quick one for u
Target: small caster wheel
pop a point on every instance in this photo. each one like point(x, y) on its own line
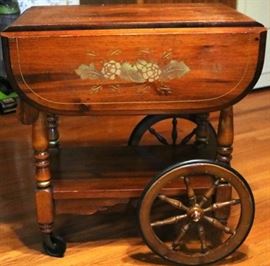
point(54, 246)
point(194, 235)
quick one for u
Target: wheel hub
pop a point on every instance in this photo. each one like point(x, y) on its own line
point(196, 213)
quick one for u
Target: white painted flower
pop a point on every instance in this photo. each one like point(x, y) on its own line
point(111, 69)
point(150, 71)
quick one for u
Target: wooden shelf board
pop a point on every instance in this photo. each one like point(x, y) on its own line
point(117, 172)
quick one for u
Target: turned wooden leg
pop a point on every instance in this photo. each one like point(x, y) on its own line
point(53, 245)
point(224, 155)
point(52, 121)
point(26, 113)
point(225, 136)
point(202, 133)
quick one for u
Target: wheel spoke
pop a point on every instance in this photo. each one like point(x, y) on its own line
point(158, 136)
point(202, 236)
point(209, 193)
point(216, 223)
point(173, 202)
point(174, 130)
point(220, 205)
point(188, 137)
point(190, 192)
point(178, 241)
point(170, 220)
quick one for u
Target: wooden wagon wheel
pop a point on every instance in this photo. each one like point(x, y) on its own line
point(200, 238)
point(191, 124)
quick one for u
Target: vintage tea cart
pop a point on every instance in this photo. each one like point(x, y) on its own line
point(173, 63)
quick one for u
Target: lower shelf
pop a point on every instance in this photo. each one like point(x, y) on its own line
point(117, 172)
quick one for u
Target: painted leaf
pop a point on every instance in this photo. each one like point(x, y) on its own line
point(175, 69)
point(88, 72)
point(131, 73)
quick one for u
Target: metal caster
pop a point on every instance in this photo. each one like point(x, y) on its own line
point(54, 246)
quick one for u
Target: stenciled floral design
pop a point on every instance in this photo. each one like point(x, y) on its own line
point(141, 71)
point(111, 69)
point(150, 71)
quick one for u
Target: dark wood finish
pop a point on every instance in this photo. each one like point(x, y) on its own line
point(52, 122)
point(185, 129)
point(202, 132)
point(193, 214)
point(27, 115)
point(224, 155)
point(231, 3)
point(194, 63)
point(223, 194)
point(113, 237)
point(129, 16)
point(225, 136)
point(87, 206)
point(95, 173)
point(44, 200)
point(110, 2)
point(226, 81)
point(209, 81)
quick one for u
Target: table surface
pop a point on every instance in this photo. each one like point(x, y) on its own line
point(130, 16)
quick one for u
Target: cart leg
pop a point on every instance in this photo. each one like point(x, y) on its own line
point(53, 245)
point(225, 136)
point(224, 155)
point(202, 132)
point(52, 121)
point(26, 113)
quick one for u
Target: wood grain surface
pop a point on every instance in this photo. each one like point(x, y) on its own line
point(111, 237)
point(221, 65)
point(231, 3)
point(198, 67)
point(66, 60)
point(102, 176)
point(129, 16)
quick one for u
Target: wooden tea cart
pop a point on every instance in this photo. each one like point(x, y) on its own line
point(172, 63)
